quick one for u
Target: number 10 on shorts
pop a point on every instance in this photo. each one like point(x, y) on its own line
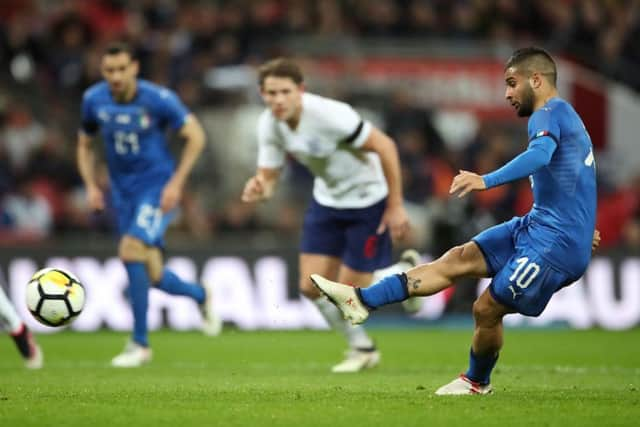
point(524, 273)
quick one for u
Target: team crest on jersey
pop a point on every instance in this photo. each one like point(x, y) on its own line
point(145, 120)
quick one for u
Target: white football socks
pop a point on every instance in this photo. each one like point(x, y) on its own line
point(355, 334)
point(9, 319)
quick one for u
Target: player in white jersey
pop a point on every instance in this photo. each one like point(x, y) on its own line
point(10, 321)
point(357, 207)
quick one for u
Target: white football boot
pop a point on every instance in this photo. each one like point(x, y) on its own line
point(211, 322)
point(36, 358)
point(133, 356)
point(409, 259)
point(357, 360)
point(463, 386)
point(344, 297)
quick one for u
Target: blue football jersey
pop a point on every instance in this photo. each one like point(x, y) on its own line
point(133, 133)
point(564, 192)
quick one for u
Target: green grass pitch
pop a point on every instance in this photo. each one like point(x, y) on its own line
point(544, 378)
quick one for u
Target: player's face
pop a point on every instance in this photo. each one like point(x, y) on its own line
point(120, 71)
point(283, 97)
point(519, 92)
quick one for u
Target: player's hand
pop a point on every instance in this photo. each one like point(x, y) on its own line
point(95, 198)
point(596, 241)
point(396, 220)
point(254, 190)
point(171, 195)
point(466, 182)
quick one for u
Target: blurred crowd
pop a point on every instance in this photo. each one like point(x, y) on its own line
point(50, 53)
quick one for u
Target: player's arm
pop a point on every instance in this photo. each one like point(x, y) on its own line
point(271, 159)
point(194, 138)
point(86, 167)
point(395, 216)
point(535, 157)
point(261, 186)
point(84, 152)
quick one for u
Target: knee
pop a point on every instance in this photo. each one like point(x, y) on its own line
point(155, 265)
point(155, 276)
point(485, 314)
point(308, 289)
point(455, 254)
point(132, 250)
point(464, 260)
point(454, 259)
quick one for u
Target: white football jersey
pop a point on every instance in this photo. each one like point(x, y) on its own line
point(327, 141)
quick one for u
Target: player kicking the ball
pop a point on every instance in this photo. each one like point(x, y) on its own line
point(132, 115)
point(357, 203)
point(530, 257)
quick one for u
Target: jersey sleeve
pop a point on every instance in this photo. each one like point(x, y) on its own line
point(543, 123)
point(171, 109)
point(537, 155)
point(347, 125)
point(271, 153)
point(88, 119)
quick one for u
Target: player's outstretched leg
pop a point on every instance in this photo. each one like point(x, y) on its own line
point(345, 297)
point(408, 259)
point(426, 279)
point(411, 258)
point(167, 281)
point(203, 295)
point(24, 341)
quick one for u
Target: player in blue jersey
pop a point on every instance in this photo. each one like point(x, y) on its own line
point(132, 116)
point(529, 257)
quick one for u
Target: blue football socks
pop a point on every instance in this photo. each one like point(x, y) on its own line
point(386, 291)
point(480, 367)
point(139, 295)
point(172, 284)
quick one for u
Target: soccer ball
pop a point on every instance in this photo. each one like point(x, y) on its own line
point(55, 297)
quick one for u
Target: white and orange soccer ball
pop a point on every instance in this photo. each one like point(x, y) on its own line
point(55, 297)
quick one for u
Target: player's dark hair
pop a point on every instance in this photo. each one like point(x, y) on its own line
point(534, 59)
point(280, 67)
point(117, 48)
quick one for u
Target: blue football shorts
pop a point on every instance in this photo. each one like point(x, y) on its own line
point(142, 218)
point(522, 279)
point(348, 234)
